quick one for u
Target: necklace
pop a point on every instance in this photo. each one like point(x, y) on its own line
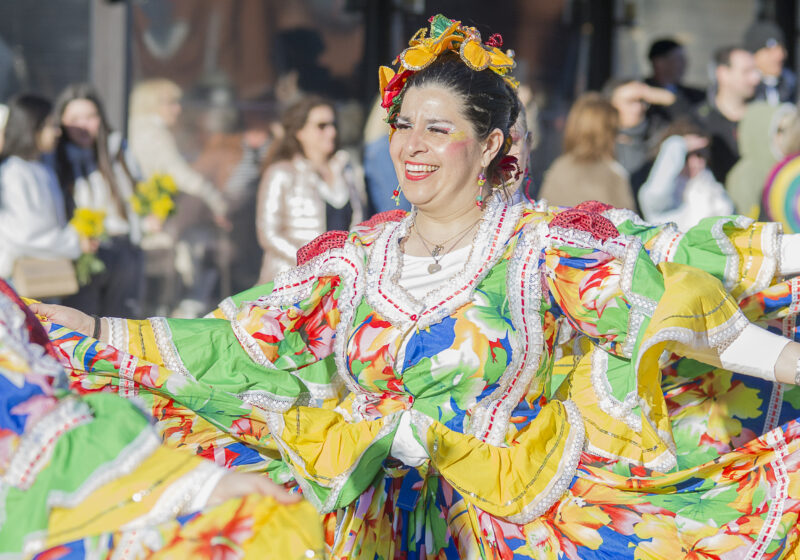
point(438, 248)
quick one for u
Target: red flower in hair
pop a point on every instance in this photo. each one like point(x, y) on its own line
point(509, 168)
point(395, 87)
point(496, 40)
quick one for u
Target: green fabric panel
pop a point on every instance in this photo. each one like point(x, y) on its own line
point(698, 248)
point(370, 466)
point(213, 355)
point(76, 458)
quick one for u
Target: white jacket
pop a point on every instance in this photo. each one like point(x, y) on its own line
point(32, 220)
point(668, 196)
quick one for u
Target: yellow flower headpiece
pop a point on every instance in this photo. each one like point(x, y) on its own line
point(445, 35)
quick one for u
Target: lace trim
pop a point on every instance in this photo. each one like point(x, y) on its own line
point(166, 347)
point(524, 287)
point(267, 401)
point(127, 386)
point(718, 338)
point(126, 461)
point(642, 307)
point(36, 446)
point(118, 333)
point(776, 440)
point(667, 242)
point(276, 424)
point(177, 498)
point(229, 308)
point(621, 410)
point(771, 250)
point(386, 296)
point(774, 409)
point(731, 274)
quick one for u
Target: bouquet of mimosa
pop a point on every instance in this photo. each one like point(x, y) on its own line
point(90, 224)
point(155, 196)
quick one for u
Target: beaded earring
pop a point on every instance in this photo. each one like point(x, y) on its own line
point(481, 182)
point(396, 195)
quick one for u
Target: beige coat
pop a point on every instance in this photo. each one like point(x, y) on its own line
point(291, 207)
point(569, 182)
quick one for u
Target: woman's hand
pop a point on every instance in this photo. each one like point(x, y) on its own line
point(71, 318)
point(89, 245)
point(236, 485)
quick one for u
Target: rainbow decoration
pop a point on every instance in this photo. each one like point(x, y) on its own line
point(780, 200)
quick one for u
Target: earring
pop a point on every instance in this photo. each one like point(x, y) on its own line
point(481, 182)
point(396, 195)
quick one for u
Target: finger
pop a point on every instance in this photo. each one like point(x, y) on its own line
point(280, 494)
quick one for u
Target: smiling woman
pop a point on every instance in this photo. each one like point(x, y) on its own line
point(404, 375)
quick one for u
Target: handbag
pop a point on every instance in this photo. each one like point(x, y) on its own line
point(42, 278)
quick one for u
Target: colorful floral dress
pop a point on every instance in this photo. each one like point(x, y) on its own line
point(88, 477)
point(533, 379)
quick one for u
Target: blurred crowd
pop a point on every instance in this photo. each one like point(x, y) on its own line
point(144, 231)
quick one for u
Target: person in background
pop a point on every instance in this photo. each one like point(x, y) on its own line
point(241, 189)
point(778, 84)
point(307, 187)
point(638, 133)
point(587, 169)
point(736, 78)
point(155, 106)
point(521, 146)
point(379, 175)
point(33, 221)
point(668, 60)
point(96, 170)
point(680, 188)
point(767, 133)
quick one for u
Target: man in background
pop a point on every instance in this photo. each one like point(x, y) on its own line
point(669, 64)
point(778, 84)
point(736, 78)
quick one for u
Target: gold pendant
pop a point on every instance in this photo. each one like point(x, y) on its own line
point(434, 268)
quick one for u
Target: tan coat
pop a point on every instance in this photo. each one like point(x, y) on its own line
point(291, 207)
point(569, 182)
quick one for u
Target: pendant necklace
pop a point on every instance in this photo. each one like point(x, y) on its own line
point(438, 248)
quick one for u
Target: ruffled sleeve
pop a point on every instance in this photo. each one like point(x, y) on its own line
point(744, 255)
point(609, 290)
point(262, 371)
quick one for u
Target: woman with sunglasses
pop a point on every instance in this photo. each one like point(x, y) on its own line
point(308, 187)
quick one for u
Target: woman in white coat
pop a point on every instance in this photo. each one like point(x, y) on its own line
point(32, 218)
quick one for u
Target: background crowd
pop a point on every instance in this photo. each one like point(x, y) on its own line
point(189, 206)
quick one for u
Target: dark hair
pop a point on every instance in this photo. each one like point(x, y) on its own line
point(27, 116)
point(662, 47)
point(489, 102)
point(64, 169)
point(722, 56)
point(292, 120)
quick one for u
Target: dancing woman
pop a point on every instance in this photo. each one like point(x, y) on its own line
point(403, 375)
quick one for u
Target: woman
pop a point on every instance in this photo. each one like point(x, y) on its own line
point(680, 188)
point(402, 375)
point(155, 108)
point(32, 218)
point(96, 171)
point(587, 170)
point(307, 188)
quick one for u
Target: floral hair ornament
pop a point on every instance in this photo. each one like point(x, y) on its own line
point(445, 35)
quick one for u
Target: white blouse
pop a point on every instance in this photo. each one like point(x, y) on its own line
point(417, 281)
